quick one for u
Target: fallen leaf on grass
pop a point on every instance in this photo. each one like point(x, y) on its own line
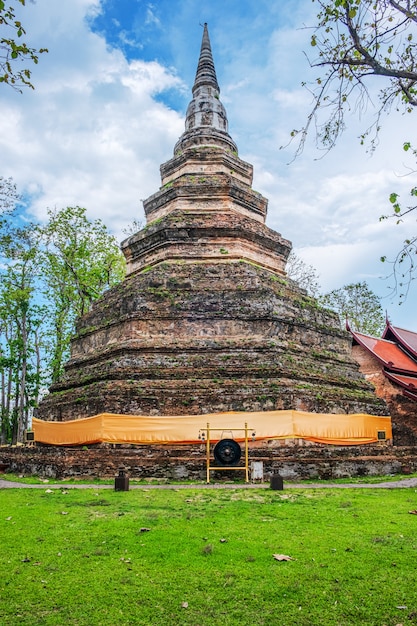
point(8, 518)
point(64, 512)
point(223, 540)
point(208, 549)
point(413, 512)
point(144, 530)
point(184, 605)
point(48, 491)
point(282, 557)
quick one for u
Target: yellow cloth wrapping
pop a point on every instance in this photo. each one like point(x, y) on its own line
point(341, 430)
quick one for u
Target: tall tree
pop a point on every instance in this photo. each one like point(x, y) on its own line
point(358, 304)
point(80, 261)
point(13, 49)
point(354, 42)
point(49, 275)
point(20, 319)
point(360, 45)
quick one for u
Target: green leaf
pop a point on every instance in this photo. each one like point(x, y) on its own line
point(393, 198)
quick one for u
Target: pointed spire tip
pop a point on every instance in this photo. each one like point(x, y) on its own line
point(206, 73)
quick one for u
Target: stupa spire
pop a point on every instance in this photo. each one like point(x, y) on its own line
point(206, 120)
point(206, 73)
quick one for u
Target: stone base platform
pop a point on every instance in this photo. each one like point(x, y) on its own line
point(189, 462)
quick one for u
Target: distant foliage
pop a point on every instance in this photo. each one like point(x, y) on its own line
point(8, 196)
point(358, 304)
point(304, 274)
point(134, 227)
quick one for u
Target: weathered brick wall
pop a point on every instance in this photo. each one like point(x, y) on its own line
point(189, 462)
point(207, 338)
point(372, 370)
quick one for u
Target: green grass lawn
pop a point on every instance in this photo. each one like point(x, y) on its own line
point(33, 479)
point(205, 557)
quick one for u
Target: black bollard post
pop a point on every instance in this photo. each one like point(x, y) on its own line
point(121, 482)
point(277, 482)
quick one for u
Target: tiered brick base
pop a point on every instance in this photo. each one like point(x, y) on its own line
point(190, 338)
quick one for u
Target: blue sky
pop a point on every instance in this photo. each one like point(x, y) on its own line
point(110, 102)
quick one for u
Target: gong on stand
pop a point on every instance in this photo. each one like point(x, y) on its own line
point(227, 452)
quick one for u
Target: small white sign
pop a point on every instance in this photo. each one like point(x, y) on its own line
point(257, 470)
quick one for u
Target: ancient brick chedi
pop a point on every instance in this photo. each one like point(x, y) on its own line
point(206, 319)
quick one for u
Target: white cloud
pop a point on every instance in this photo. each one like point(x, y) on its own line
point(151, 17)
point(93, 133)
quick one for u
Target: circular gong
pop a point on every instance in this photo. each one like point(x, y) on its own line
point(227, 452)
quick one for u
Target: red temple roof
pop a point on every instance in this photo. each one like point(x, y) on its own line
point(392, 357)
point(397, 353)
point(409, 383)
point(406, 338)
